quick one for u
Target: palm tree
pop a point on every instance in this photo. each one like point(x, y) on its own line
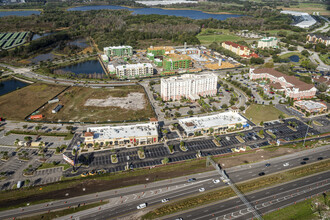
point(16, 141)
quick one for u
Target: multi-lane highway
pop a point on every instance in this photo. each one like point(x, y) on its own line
point(264, 201)
point(124, 201)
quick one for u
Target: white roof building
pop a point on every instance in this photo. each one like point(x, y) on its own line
point(129, 134)
point(134, 70)
point(221, 121)
point(305, 20)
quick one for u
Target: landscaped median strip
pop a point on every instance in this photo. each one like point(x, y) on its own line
point(63, 212)
point(245, 187)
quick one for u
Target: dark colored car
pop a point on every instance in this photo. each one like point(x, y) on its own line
point(261, 174)
point(303, 162)
point(320, 158)
point(191, 180)
point(267, 164)
point(306, 158)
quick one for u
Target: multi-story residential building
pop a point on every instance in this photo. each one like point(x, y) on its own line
point(118, 51)
point(160, 51)
point(218, 123)
point(238, 49)
point(127, 135)
point(175, 61)
point(267, 42)
point(290, 85)
point(132, 70)
point(189, 86)
point(311, 106)
point(316, 38)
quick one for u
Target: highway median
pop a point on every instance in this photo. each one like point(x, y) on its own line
point(244, 187)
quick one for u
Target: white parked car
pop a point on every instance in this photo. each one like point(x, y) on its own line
point(286, 164)
point(141, 206)
point(201, 189)
point(216, 181)
point(165, 200)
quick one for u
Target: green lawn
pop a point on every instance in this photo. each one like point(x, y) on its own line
point(325, 58)
point(301, 210)
point(50, 165)
point(208, 36)
point(56, 214)
point(287, 55)
point(275, 31)
point(258, 113)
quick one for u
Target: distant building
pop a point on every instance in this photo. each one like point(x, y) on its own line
point(267, 42)
point(118, 51)
point(240, 50)
point(133, 70)
point(316, 38)
point(302, 19)
point(127, 135)
point(311, 106)
point(218, 123)
point(290, 85)
point(189, 86)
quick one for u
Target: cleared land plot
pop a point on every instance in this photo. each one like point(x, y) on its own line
point(258, 113)
point(101, 105)
point(309, 8)
point(20, 103)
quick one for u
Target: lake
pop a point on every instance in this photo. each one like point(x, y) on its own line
point(37, 36)
point(147, 11)
point(11, 85)
point(81, 43)
point(18, 13)
point(294, 58)
point(87, 67)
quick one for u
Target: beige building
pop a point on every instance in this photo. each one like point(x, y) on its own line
point(133, 70)
point(123, 136)
point(267, 42)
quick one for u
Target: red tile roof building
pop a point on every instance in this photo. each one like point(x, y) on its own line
point(240, 50)
point(292, 87)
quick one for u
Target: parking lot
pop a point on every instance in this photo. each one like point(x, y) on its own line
point(282, 131)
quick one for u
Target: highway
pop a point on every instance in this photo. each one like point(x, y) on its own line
point(176, 188)
point(183, 189)
point(264, 201)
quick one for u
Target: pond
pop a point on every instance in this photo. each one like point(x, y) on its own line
point(147, 11)
point(18, 13)
point(81, 43)
point(42, 57)
point(37, 36)
point(11, 85)
point(87, 67)
point(294, 58)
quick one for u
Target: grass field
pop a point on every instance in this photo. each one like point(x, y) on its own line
point(258, 113)
point(74, 109)
point(309, 8)
point(208, 36)
point(20, 103)
point(301, 210)
point(325, 58)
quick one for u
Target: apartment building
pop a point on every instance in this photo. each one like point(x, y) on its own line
point(238, 49)
point(290, 85)
point(189, 86)
point(268, 42)
point(316, 38)
point(118, 51)
point(132, 70)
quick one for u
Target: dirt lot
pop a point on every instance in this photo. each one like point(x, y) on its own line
point(255, 156)
point(100, 105)
point(20, 103)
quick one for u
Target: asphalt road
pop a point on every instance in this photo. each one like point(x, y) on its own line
point(173, 189)
point(264, 201)
point(183, 189)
